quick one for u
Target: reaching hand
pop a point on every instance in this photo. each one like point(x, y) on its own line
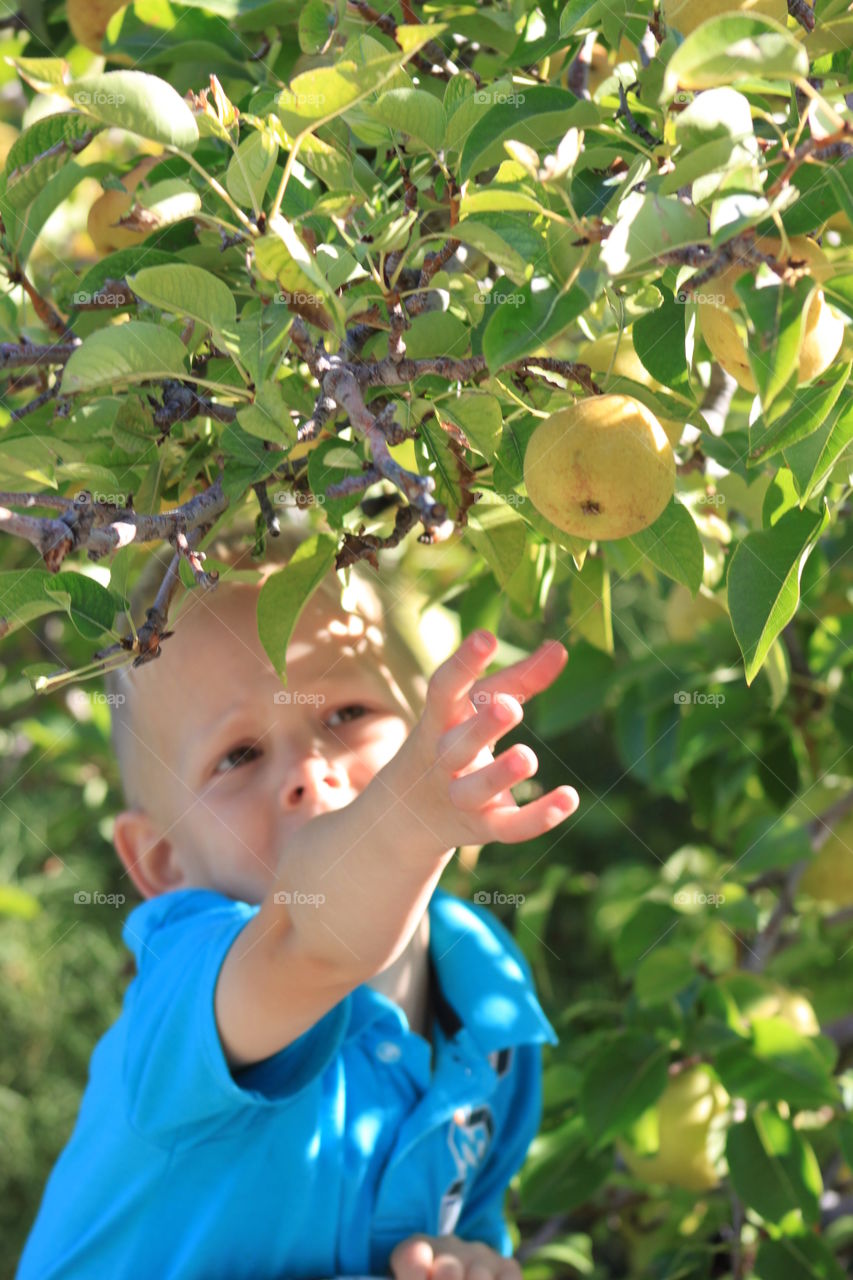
point(423, 1257)
point(450, 787)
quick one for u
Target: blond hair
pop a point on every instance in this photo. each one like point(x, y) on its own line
point(394, 611)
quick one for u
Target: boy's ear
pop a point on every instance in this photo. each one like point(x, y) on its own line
point(147, 857)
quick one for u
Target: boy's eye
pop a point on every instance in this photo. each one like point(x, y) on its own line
point(353, 711)
point(241, 754)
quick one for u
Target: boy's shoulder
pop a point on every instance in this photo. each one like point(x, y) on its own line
point(180, 906)
point(484, 973)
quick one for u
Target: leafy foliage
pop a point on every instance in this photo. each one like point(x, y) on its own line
point(374, 253)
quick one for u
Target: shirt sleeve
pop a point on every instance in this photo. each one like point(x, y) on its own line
point(175, 1075)
point(482, 1217)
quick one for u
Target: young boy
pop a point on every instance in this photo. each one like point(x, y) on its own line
point(325, 1065)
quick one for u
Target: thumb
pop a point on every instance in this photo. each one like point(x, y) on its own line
point(412, 1259)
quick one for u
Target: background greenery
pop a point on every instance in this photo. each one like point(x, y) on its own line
point(704, 744)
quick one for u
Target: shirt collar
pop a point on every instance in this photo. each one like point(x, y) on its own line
point(481, 978)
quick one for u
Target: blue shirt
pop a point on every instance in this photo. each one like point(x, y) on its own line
point(316, 1161)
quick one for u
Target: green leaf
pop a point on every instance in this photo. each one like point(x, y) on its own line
point(772, 1168)
point(123, 354)
point(328, 463)
point(780, 1065)
point(622, 1079)
point(519, 328)
point(479, 416)
point(478, 235)
point(764, 582)
point(16, 902)
point(326, 92)
point(658, 339)
point(649, 225)
point(756, 46)
point(439, 462)
point(187, 291)
point(90, 606)
point(534, 115)
point(285, 593)
point(809, 410)
point(777, 314)
point(139, 102)
point(796, 1257)
point(24, 227)
point(499, 534)
point(414, 112)
point(560, 1171)
point(268, 417)
point(590, 610)
point(42, 150)
point(810, 459)
point(117, 266)
point(314, 28)
point(23, 597)
point(250, 169)
point(281, 255)
point(672, 544)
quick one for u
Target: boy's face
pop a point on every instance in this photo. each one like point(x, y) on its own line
point(232, 765)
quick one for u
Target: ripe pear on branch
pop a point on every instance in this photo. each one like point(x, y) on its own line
point(759, 997)
point(599, 355)
point(829, 876)
point(601, 468)
point(109, 207)
point(691, 1115)
point(686, 15)
point(823, 329)
point(89, 19)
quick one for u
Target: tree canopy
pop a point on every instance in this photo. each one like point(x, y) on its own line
point(548, 306)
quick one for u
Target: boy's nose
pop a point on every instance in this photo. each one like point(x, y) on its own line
point(313, 780)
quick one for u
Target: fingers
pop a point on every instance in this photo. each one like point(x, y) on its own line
point(527, 677)
point(456, 748)
point(446, 700)
point(512, 826)
point(473, 790)
point(412, 1259)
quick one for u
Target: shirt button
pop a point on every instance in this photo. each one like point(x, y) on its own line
point(388, 1051)
point(460, 1115)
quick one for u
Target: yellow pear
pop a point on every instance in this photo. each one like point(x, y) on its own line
point(760, 997)
point(686, 15)
point(691, 1113)
point(601, 468)
point(684, 613)
point(823, 329)
point(829, 875)
point(627, 364)
point(89, 19)
point(112, 205)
